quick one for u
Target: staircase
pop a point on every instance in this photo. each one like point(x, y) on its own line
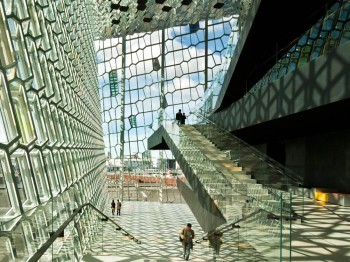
point(239, 182)
point(229, 184)
point(264, 169)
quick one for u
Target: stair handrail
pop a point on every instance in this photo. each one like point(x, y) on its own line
point(276, 165)
point(41, 251)
point(222, 175)
point(257, 201)
point(234, 225)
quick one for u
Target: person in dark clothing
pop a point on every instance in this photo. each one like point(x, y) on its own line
point(215, 239)
point(183, 118)
point(119, 207)
point(178, 117)
point(113, 207)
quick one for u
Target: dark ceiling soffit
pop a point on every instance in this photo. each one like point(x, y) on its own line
point(270, 30)
point(161, 146)
point(312, 122)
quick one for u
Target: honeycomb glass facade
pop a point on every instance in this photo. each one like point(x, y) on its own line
point(85, 81)
point(62, 64)
point(51, 143)
point(147, 77)
point(49, 76)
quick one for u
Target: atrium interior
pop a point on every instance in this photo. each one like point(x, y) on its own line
point(89, 92)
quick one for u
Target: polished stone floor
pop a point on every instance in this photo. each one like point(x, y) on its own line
point(157, 226)
point(323, 235)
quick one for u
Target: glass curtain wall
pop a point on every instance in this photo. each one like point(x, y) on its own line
point(50, 121)
point(167, 70)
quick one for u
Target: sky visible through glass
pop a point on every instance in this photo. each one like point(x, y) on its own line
point(184, 79)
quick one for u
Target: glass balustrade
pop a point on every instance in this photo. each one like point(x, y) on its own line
point(266, 170)
point(238, 195)
point(70, 230)
point(255, 237)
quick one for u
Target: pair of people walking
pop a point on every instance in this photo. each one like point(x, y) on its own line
point(180, 117)
point(115, 205)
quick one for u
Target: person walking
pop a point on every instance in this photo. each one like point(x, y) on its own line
point(113, 207)
point(178, 117)
point(187, 242)
point(215, 240)
point(183, 118)
point(119, 206)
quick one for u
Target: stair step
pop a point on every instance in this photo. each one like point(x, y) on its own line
point(248, 181)
point(242, 176)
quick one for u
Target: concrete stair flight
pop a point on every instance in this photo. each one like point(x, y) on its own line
point(231, 186)
point(235, 186)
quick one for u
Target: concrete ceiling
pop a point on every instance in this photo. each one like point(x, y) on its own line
point(126, 17)
point(273, 29)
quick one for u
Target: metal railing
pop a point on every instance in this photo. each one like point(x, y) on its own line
point(294, 177)
point(60, 231)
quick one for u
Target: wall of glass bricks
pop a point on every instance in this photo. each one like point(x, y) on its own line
point(52, 152)
point(51, 138)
